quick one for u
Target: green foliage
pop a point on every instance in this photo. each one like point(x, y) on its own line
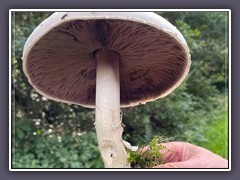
point(150, 157)
point(34, 148)
point(217, 133)
point(49, 134)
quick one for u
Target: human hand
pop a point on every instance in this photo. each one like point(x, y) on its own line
point(186, 155)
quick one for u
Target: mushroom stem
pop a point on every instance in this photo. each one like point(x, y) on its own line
point(108, 121)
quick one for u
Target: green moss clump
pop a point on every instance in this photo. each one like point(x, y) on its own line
point(150, 157)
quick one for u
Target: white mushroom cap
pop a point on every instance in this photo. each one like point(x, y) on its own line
point(58, 57)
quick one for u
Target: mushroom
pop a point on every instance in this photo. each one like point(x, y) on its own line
point(106, 60)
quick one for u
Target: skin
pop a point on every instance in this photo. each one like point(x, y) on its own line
point(186, 155)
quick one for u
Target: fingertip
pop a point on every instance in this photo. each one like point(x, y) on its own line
point(143, 149)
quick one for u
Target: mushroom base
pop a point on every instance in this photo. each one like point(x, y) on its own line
point(108, 122)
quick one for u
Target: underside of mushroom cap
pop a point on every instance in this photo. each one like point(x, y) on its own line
point(60, 63)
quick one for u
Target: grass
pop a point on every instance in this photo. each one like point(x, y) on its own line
point(217, 134)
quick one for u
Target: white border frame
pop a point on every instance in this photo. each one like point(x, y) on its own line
point(128, 10)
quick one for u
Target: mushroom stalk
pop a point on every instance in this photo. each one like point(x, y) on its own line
point(108, 122)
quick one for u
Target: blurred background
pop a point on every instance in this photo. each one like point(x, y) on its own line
point(49, 134)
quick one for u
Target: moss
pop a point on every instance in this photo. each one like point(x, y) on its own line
point(150, 157)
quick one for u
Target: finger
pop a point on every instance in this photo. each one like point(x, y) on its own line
point(183, 151)
point(195, 162)
point(175, 151)
point(171, 153)
point(173, 146)
point(145, 148)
